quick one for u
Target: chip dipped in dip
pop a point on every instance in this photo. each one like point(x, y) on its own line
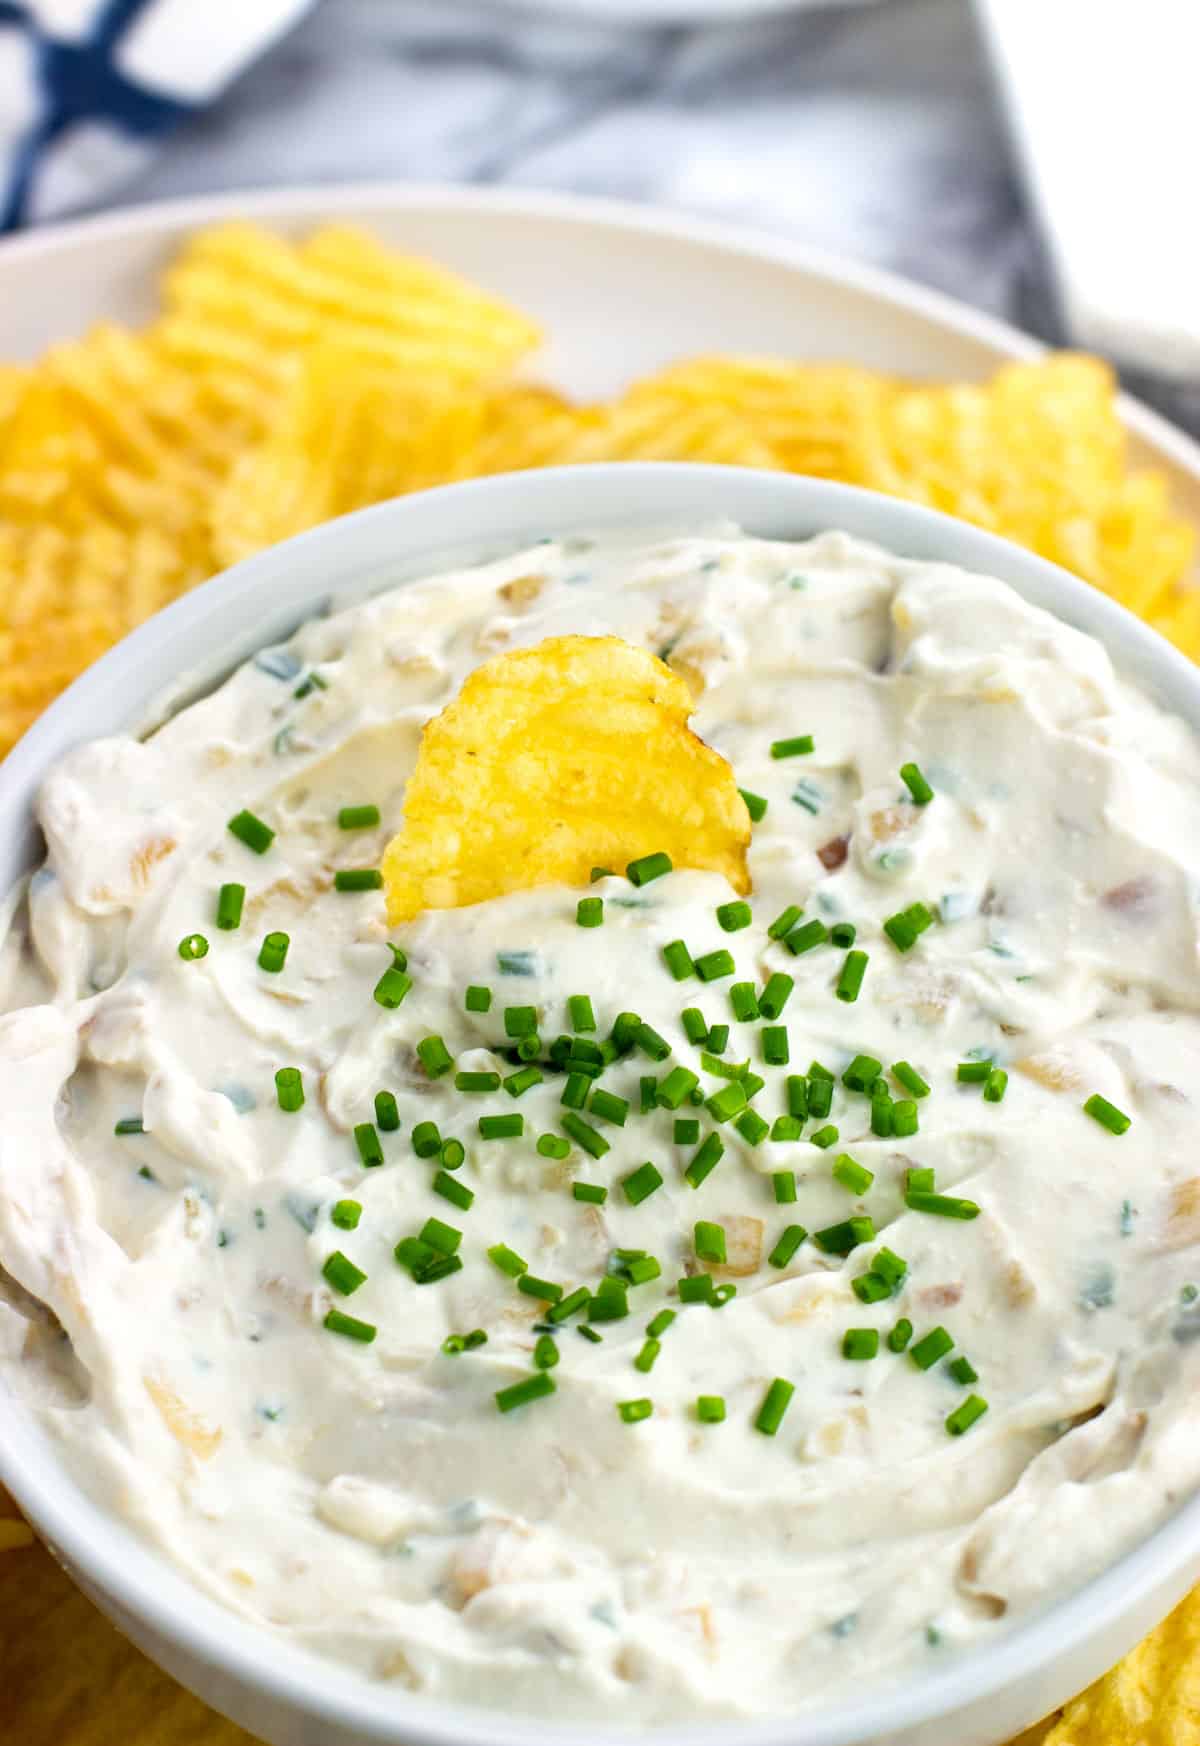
point(634, 1299)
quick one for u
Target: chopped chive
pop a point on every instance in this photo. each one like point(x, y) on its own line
point(589, 912)
point(705, 1160)
point(358, 879)
point(454, 1345)
point(715, 964)
point(909, 1078)
point(775, 995)
point(518, 1083)
point(870, 1287)
point(860, 1343)
point(820, 1095)
point(641, 1183)
point(230, 899)
point(964, 1416)
point(1107, 1114)
point(756, 806)
point(594, 1193)
point(678, 1085)
point(367, 1141)
point(412, 1253)
point(752, 1084)
point(851, 1174)
point(724, 1104)
point(787, 1127)
point(289, 1088)
point(930, 1347)
point(785, 1186)
point(972, 1072)
point(272, 954)
point(507, 1260)
point(579, 1006)
point(440, 1235)
point(457, 1193)
point(345, 1214)
point(434, 1057)
point(357, 818)
point(723, 1069)
point(840, 1239)
point(647, 1093)
point(599, 873)
point(732, 917)
point(545, 1289)
point(709, 1239)
point(751, 1126)
point(590, 1334)
point(861, 1073)
point(644, 1269)
point(545, 1353)
point(193, 946)
point(775, 1404)
point(554, 1146)
point(252, 831)
point(789, 1241)
point(797, 1096)
point(916, 784)
point(946, 1206)
point(426, 1140)
point(891, 1267)
point(338, 1322)
point(695, 1290)
point(501, 1127)
point(797, 747)
point(392, 987)
point(475, 1082)
point(478, 998)
point(850, 980)
point(452, 1154)
point(575, 1091)
point(918, 1179)
point(660, 1323)
point(648, 867)
point(718, 1039)
point(776, 1049)
point(520, 1021)
point(784, 922)
point(744, 1001)
point(881, 1117)
point(592, 1141)
point(634, 1411)
point(995, 1085)
point(678, 960)
point(905, 1121)
point(608, 1107)
point(650, 1042)
point(900, 1335)
point(962, 1370)
point(825, 1137)
point(843, 934)
point(568, 1306)
point(695, 1029)
point(519, 1394)
point(710, 1408)
point(803, 939)
point(624, 1025)
point(646, 1357)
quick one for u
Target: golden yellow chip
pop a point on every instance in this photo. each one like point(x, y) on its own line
point(552, 761)
point(1152, 1698)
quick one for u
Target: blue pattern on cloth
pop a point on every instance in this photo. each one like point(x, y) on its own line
point(89, 88)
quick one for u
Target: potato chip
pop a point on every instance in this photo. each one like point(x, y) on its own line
point(1152, 1698)
point(554, 760)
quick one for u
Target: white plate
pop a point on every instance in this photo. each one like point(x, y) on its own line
point(619, 289)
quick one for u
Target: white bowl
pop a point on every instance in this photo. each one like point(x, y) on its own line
point(280, 1692)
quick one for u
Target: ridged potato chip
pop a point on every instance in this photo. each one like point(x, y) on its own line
point(554, 760)
point(1152, 1698)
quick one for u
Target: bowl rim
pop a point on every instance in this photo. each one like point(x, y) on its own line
point(110, 1554)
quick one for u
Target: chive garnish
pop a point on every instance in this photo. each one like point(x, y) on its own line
point(568, 1306)
point(426, 1140)
point(651, 1043)
point(751, 1126)
point(797, 1096)
point(843, 934)
point(918, 1179)
point(709, 1239)
point(252, 831)
point(797, 747)
point(789, 1241)
point(905, 927)
point(962, 1370)
point(775, 995)
point(358, 879)
point(724, 1104)
point(916, 784)
point(891, 1267)
point(289, 1088)
point(715, 964)
point(589, 912)
point(545, 1353)
point(710, 1408)
point(851, 1174)
point(648, 867)
point(584, 1135)
point(744, 1001)
point(641, 1183)
point(575, 1091)
point(658, 1325)
point(698, 1289)
point(579, 1006)
point(784, 1182)
point(454, 1345)
point(519, 1394)
point(820, 1094)
point(825, 1137)
point(478, 998)
point(520, 1021)
point(272, 954)
point(964, 1416)
point(909, 1078)
point(501, 1127)
point(881, 1117)
point(775, 1046)
point(553, 1146)
point(545, 1289)
point(594, 1193)
point(518, 1083)
point(644, 1269)
point(946, 1206)
point(930, 1347)
point(803, 939)
point(850, 980)
point(192, 947)
point(718, 1039)
point(439, 1235)
point(686, 1131)
point(732, 917)
point(705, 1161)
point(775, 1404)
point(608, 1107)
point(367, 1141)
point(345, 1214)
point(609, 1302)
point(130, 1125)
point(507, 1260)
point(870, 1287)
point(476, 1082)
point(900, 1335)
point(756, 806)
point(995, 1085)
point(338, 1322)
point(357, 818)
point(634, 1411)
point(452, 1154)
point(678, 960)
point(647, 1093)
point(840, 1239)
point(904, 1118)
point(646, 1357)
point(442, 1268)
point(695, 1029)
point(784, 922)
point(392, 987)
point(457, 1193)
point(590, 1334)
point(434, 1057)
point(1107, 1114)
point(230, 899)
point(787, 1127)
point(972, 1072)
point(861, 1073)
point(678, 1085)
point(860, 1343)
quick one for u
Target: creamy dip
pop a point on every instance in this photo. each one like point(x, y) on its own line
point(167, 1306)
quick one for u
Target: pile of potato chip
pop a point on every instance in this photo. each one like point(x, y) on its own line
point(285, 383)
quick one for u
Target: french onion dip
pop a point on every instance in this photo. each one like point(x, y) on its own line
point(676, 1306)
